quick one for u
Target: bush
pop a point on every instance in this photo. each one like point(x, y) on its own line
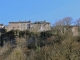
point(17, 54)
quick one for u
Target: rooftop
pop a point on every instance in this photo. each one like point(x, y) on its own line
point(21, 22)
point(36, 22)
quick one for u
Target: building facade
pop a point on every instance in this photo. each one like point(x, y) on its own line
point(18, 25)
point(28, 25)
point(40, 26)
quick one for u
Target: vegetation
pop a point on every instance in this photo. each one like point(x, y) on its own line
point(55, 44)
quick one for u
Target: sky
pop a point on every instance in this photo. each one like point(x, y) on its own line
point(38, 10)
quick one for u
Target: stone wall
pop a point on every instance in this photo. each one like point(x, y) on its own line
point(40, 27)
point(13, 26)
point(75, 30)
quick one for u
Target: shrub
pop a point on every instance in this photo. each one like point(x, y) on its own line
point(17, 54)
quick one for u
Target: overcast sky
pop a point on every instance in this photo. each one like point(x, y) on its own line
point(38, 10)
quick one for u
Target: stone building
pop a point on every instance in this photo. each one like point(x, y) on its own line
point(19, 25)
point(72, 29)
point(75, 31)
point(28, 25)
point(40, 26)
point(1, 26)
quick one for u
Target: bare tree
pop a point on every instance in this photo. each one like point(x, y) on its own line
point(62, 25)
point(78, 22)
point(58, 26)
point(64, 22)
point(67, 21)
